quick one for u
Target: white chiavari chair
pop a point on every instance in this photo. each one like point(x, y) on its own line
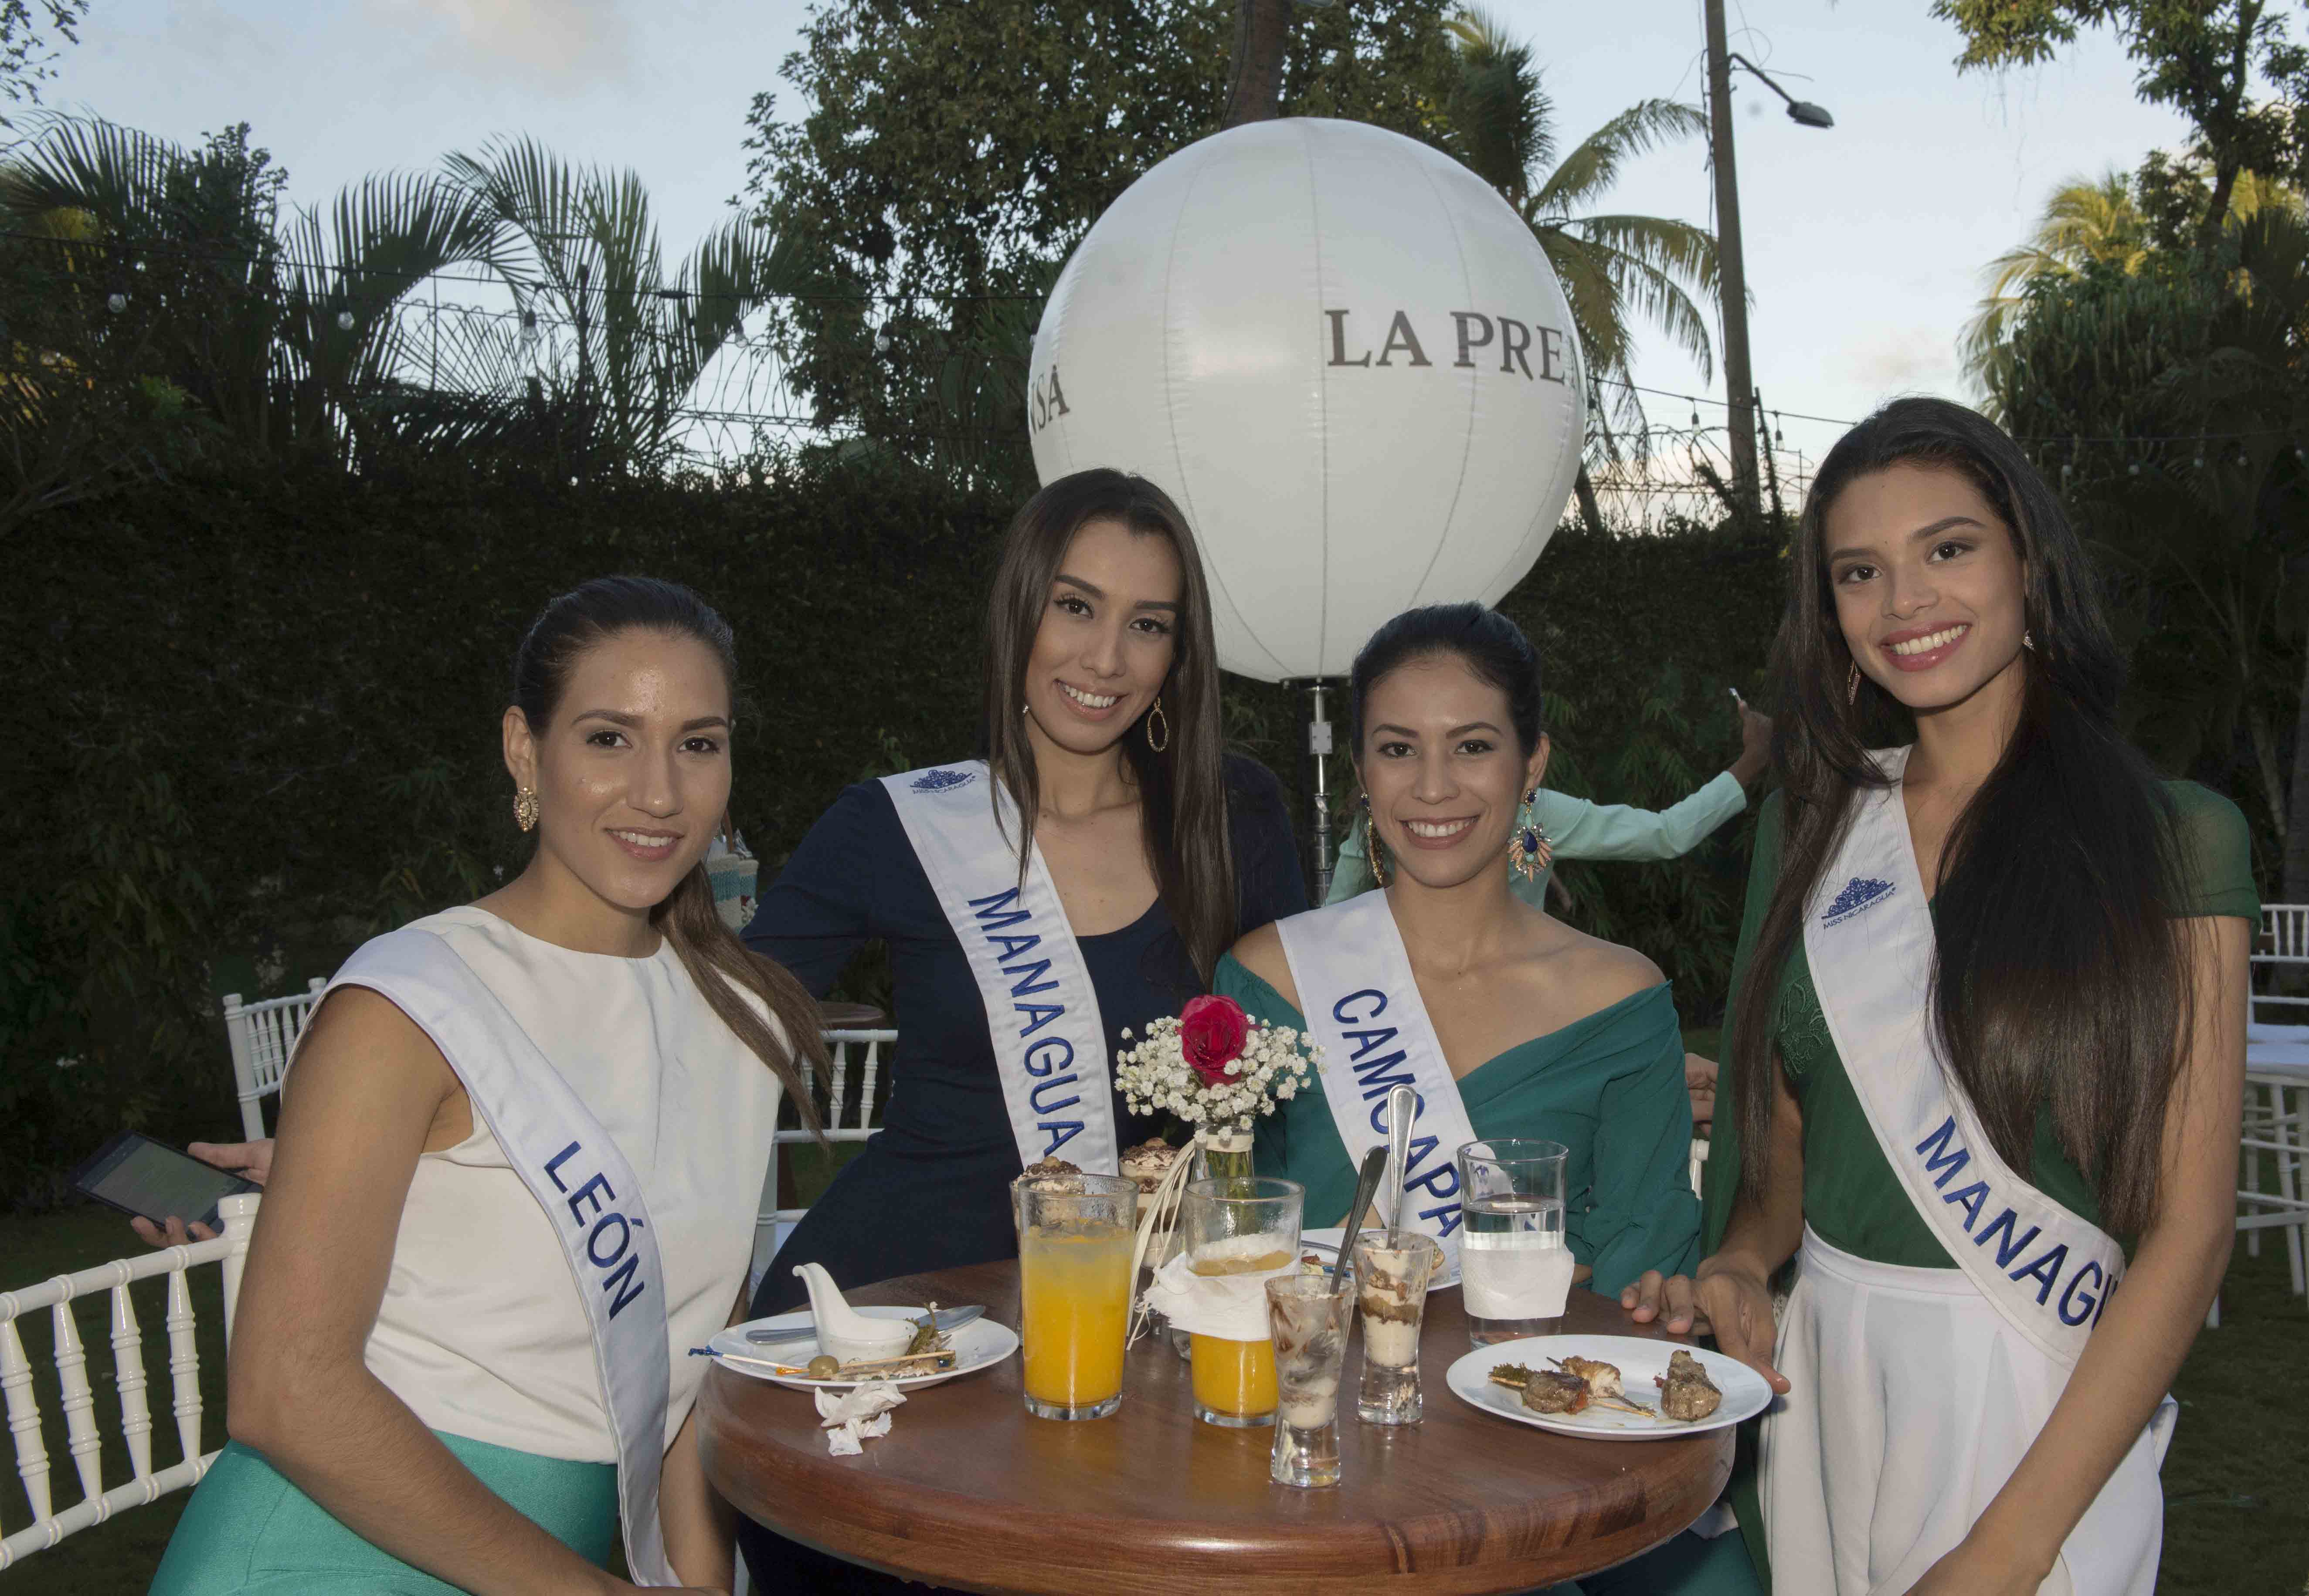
point(84, 1439)
point(262, 1035)
point(849, 1117)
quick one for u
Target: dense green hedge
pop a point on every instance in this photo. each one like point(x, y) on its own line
point(263, 718)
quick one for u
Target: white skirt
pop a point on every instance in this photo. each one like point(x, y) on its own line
point(1912, 1402)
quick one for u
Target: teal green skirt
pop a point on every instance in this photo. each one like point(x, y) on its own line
point(247, 1530)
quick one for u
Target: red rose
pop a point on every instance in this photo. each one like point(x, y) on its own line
point(1212, 1031)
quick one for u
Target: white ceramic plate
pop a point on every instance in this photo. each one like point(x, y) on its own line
point(1327, 1242)
point(1639, 1362)
point(979, 1344)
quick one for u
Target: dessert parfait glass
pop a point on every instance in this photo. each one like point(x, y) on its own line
point(1076, 1237)
point(1239, 1226)
point(1309, 1315)
point(1393, 1269)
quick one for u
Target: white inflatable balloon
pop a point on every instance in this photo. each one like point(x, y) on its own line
point(1348, 360)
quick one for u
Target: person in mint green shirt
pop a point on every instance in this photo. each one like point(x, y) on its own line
point(1541, 1030)
point(1578, 828)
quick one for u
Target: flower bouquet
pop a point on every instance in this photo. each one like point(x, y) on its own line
point(1219, 1070)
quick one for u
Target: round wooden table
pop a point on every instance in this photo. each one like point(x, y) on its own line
point(968, 1491)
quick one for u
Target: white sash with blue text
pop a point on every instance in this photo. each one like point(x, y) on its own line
point(1360, 1003)
point(1049, 1040)
point(1868, 934)
point(577, 1174)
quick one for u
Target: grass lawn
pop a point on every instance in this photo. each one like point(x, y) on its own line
point(2236, 1481)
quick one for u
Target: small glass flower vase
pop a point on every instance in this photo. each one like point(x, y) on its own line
point(1223, 1150)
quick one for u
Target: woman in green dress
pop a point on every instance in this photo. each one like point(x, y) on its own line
point(1986, 1052)
point(1511, 1023)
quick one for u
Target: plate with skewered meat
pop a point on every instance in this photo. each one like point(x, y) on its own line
point(1609, 1387)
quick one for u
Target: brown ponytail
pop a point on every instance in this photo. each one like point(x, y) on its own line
point(720, 965)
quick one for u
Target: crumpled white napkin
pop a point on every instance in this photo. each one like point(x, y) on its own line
point(851, 1417)
point(1230, 1307)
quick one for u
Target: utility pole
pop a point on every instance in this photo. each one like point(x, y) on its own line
point(1262, 28)
point(1741, 416)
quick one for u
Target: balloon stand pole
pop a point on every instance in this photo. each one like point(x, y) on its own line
point(1323, 693)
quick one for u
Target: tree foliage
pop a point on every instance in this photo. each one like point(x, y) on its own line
point(2204, 58)
point(2172, 404)
point(944, 158)
point(32, 35)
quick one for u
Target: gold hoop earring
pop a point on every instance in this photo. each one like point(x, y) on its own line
point(1372, 845)
point(1154, 715)
point(1852, 685)
point(524, 808)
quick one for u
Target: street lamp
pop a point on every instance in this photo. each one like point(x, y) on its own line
point(1802, 112)
point(1739, 387)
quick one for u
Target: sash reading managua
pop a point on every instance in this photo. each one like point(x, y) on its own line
point(1868, 934)
point(1049, 1040)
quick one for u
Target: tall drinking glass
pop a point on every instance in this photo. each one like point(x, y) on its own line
point(1310, 1317)
point(1515, 1270)
point(1075, 1235)
point(1393, 1269)
point(1235, 1227)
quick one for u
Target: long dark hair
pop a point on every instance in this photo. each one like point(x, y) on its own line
point(564, 632)
point(1492, 647)
point(2059, 979)
point(1181, 787)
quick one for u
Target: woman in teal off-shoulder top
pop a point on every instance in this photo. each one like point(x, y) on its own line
point(1609, 1086)
point(1459, 986)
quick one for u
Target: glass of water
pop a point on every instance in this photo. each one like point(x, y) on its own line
point(1515, 1271)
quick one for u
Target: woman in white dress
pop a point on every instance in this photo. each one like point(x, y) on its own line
point(518, 1158)
point(1986, 1051)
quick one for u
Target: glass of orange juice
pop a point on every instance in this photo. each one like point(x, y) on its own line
point(1076, 1237)
point(1247, 1228)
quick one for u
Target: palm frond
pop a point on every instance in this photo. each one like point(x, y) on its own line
point(1593, 166)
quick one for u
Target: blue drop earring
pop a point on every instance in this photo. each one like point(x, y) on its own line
point(1530, 852)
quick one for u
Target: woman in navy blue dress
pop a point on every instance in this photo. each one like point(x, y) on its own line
point(1086, 878)
point(1102, 707)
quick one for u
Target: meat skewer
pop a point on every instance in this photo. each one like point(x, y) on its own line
point(1544, 1391)
point(1603, 1382)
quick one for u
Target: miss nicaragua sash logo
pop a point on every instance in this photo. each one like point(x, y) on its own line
point(2048, 1272)
point(1050, 1038)
point(581, 1179)
point(1356, 989)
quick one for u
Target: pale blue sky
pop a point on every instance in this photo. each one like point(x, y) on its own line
point(1864, 242)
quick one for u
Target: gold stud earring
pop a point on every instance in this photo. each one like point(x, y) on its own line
point(1152, 715)
point(524, 808)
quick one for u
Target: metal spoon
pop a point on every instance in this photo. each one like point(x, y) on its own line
point(948, 1318)
point(1366, 1189)
point(1402, 1108)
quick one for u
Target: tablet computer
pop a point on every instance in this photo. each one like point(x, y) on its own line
point(137, 1175)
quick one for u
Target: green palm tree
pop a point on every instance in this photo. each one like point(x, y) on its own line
point(2086, 223)
point(1617, 268)
point(268, 322)
point(578, 248)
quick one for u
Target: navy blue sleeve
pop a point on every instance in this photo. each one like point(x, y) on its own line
point(821, 909)
point(1269, 884)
